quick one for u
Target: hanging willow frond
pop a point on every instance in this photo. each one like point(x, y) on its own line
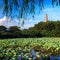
point(55, 2)
point(5, 7)
point(15, 2)
point(8, 6)
point(24, 8)
point(41, 4)
point(23, 23)
point(32, 6)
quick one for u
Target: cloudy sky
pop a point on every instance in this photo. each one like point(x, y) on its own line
point(53, 15)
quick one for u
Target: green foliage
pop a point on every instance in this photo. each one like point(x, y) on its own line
point(15, 31)
point(42, 29)
point(50, 28)
point(14, 28)
point(2, 29)
point(12, 49)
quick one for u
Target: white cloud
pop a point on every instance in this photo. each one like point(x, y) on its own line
point(2, 19)
point(7, 23)
point(30, 20)
point(26, 26)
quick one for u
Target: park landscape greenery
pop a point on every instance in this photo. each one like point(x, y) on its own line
point(25, 45)
point(40, 42)
point(36, 43)
point(42, 29)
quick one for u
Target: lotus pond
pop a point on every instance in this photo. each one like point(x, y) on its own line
point(30, 49)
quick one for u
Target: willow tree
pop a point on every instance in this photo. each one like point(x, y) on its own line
point(24, 7)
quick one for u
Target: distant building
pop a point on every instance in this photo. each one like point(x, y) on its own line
point(46, 18)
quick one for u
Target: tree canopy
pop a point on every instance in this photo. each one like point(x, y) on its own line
point(42, 29)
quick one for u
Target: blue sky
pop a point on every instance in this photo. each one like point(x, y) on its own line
point(53, 14)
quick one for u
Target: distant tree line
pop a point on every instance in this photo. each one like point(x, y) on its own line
point(42, 29)
point(48, 29)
